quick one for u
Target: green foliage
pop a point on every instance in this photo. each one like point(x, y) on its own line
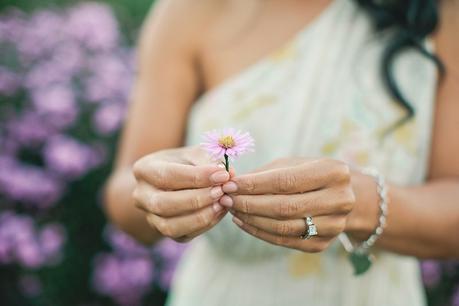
point(130, 13)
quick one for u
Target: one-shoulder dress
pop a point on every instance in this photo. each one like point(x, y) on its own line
point(320, 94)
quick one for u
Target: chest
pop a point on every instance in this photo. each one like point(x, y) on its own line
point(249, 31)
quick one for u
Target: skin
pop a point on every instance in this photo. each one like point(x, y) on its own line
point(159, 188)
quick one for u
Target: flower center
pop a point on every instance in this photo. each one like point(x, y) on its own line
point(226, 142)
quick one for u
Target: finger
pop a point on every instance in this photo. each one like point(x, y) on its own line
point(278, 163)
point(174, 176)
point(177, 202)
point(296, 206)
point(193, 235)
point(314, 245)
point(303, 177)
point(327, 226)
point(232, 172)
point(182, 225)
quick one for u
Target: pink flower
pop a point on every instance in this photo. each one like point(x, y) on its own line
point(228, 143)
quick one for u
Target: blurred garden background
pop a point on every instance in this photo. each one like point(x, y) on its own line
point(66, 68)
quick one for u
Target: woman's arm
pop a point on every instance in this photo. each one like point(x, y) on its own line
point(424, 220)
point(164, 89)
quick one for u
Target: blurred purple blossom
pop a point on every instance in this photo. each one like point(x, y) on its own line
point(122, 243)
point(51, 239)
point(61, 63)
point(93, 25)
point(29, 129)
point(46, 73)
point(69, 59)
point(28, 184)
point(28, 253)
point(11, 25)
point(67, 67)
point(35, 40)
point(58, 104)
point(9, 82)
point(455, 297)
point(170, 250)
point(431, 272)
point(108, 118)
point(125, 279)
point(68, 157)
point(166, 276)
point(163, 257)
point(22, 242)
point(170, 253)
point(109, 78)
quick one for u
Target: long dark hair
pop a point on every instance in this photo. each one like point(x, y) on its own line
point(412, 21)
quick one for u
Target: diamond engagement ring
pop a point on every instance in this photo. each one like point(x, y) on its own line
point(311, 228)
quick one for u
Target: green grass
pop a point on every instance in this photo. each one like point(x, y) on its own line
point(130, 13)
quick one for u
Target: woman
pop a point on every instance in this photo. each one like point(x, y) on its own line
point(326, 88)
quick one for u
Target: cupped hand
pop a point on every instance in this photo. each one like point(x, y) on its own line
point(179, 190)
point(273, 202)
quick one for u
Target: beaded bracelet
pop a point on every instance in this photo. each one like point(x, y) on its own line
point(360, 256)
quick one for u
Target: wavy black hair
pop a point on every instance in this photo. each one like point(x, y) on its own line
point(411, 21)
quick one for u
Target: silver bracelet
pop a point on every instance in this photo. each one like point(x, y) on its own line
point(359, 255)
point(381, 188)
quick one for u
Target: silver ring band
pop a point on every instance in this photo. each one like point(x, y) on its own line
point(311, 229)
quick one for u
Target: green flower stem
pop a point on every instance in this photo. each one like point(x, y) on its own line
point(226, 163)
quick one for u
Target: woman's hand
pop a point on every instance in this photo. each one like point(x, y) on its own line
point(179, 190)
point(273, 202)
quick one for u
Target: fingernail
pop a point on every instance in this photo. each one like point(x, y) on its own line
point(219, 177)
point(217, 207)
point(238, 221)
point(216, 192)
point(226, 201)
point(229, 187)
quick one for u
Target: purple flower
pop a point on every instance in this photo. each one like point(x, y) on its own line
point(29, 254)
point(431, 272)
point(138, 271)
point(228, 143)
point(20, 241)
point(28, 184)
point(46, 74)
point(93, 25)
point(51, 239)
point(69, 157)
point(9, 82)
point(455, 298)
point(7, 234)
point(69, 60)
point(109, 79)
point(29, 129)
point(170, 253)
point(108, 118)
point(122, 243)
point(166, 276)
point(35, 40)
point(12, 24)
point(57, 103)
point(125, 279)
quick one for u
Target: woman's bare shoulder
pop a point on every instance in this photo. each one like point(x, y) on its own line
point(181, 21)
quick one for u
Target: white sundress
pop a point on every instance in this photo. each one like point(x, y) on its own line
point(318, 95)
